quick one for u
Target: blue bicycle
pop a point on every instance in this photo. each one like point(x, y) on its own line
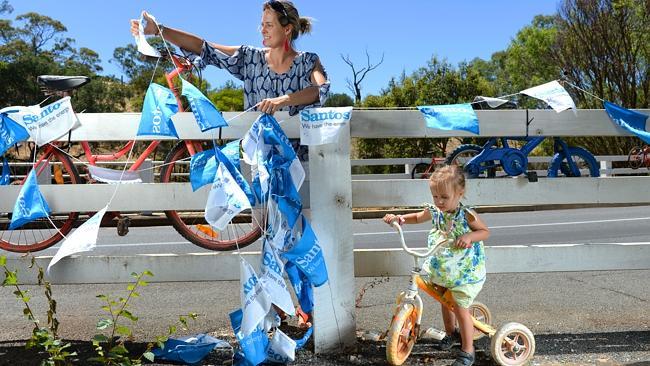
point(483, 161)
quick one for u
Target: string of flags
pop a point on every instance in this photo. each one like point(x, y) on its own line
point(463, 117)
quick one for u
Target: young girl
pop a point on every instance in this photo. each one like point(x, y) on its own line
point(460, 267)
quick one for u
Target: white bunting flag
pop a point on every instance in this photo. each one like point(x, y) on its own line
point(226, 199)
point(48, 123)
point(83, 239)
point(553, 94)
point(320, 126)
point(143, 46)
point(282, 349)
point(255, 301)
point(271, 276)
point(297, 173)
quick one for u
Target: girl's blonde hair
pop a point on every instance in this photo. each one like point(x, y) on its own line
point(449, 176)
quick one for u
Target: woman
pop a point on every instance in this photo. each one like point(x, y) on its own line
point(276, 77)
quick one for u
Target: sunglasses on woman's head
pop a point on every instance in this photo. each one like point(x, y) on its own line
point(278, 7)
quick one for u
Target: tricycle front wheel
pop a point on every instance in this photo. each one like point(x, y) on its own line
point(513, 344)
point(402, 335)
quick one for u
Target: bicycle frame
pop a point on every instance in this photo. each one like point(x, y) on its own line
point(93, 159)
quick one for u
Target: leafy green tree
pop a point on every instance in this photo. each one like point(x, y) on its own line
point(228, 98)
point(339, 100)
point(36, 45)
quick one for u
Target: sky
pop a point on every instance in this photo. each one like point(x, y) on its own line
point(407, 32)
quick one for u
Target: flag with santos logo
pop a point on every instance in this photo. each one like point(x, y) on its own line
point(157, 111)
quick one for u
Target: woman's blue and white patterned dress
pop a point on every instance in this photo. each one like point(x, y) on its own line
point(249, 65)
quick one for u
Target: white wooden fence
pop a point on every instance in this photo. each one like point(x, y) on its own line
point(333, 194)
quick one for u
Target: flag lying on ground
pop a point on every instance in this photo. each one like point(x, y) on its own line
point(141, 41)
point(281, 349)
point(451, 117)
point(553, 94)
point(6, 174)
point(631, 121)
point(320, 126)
point(253, 346)
point(225, 200)
point(11, 133)
point(83, 239)
point(255, 301)
point(205, 113)
point(158, 108)
point(30, 205)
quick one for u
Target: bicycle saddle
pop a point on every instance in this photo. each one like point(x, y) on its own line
point(62, 83)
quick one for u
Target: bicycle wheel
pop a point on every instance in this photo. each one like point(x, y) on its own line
point(636, 157)
point(55, 168)
point(581, 157)
point(464, 153)
point(422, 171)
point(244, 229)
point(402, 335)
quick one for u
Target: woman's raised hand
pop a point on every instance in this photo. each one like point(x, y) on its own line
point(150, 27)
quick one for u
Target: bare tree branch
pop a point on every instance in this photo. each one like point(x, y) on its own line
point(358, 75)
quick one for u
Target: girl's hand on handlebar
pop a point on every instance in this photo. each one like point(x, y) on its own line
point(150, 27)
point(463, 242)
point(389, 218)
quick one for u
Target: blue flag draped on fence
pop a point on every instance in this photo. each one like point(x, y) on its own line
point(159, 106)
point(30, 204)
point(5, 177)
point(631, 121)
point(206, 114)
point(451, 117)
point(10, 133)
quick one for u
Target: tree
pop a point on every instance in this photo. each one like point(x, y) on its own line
point(358, 75)
point(339, 100)
point(604, 46)
point(228, 98)
point(37, 45)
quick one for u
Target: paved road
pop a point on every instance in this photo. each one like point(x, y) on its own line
point(593, 225)
point(577, 318)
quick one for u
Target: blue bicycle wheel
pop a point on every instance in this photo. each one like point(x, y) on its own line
point(585, 162)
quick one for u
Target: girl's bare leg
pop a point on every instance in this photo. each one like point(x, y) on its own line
point(466, 328)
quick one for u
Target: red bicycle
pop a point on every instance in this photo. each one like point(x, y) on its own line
point(639, 157)
point(424, 170)
point(54, 166)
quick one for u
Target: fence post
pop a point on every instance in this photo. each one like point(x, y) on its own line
point(330, 194)
point(147, 176)
point(606, 166)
